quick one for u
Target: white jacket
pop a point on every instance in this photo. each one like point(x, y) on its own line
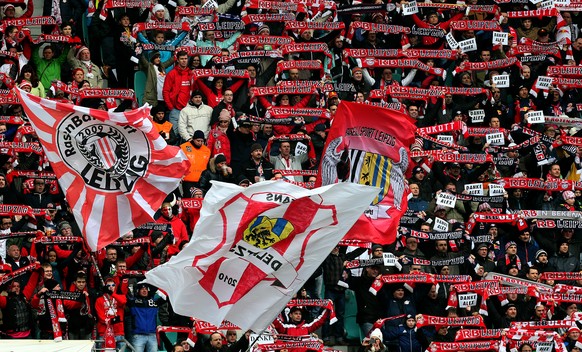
point(194, 118)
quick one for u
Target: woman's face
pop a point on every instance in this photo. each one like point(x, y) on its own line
point(27, 75)
point(284, 100)
point(219, 83)
point(78, 76)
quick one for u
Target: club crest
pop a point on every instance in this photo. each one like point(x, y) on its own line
point(108, 157)
point(263, 232)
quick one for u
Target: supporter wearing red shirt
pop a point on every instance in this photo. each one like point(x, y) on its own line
point(178, 228)
point(176, 90)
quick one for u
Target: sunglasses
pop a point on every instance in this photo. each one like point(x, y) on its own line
point(110, 285)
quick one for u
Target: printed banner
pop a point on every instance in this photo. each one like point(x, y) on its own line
point(114, 167)
point(377, 150)
point(248, 238)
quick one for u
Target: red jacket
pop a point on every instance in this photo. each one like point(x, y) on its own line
point(176, 89)
point(178, 230)
point(302, 328)
point(117, 303)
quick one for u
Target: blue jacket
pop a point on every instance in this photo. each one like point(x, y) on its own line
point(405, 337)
point(145, 314)
point(417, 204)
point(164, 54)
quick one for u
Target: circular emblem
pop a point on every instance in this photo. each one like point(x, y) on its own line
point(108, 157)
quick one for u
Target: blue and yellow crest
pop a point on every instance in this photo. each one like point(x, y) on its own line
point(373, 170)
point(263, 232)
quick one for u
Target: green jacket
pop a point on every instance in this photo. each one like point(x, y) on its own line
point(48, 70)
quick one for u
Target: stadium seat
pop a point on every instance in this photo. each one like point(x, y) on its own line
point(139, 86)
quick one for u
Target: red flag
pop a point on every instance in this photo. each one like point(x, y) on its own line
point(370, 145)
point(114, 168)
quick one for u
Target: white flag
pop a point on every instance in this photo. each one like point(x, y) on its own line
point(254, 247)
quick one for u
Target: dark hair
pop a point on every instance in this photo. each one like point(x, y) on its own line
point(181, 53)
point(33, 78)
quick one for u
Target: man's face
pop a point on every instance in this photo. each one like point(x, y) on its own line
point(111, 255)
point(578, 44)
point(198, 142)
point(285, 149)
point(533, 275)
point(294, 74)
point(197, 99)
point(14, 252)
point(527, 24)
point(295, 316)
point(482, 252)
point(511, 250)
point(411, 244)
point(413, 112)
point(66, 231)
point(511, 312)
point(183, 61)
point(399, 293)
point(433, 19)
point(414, 189)
point(39, 186)
point(257, 154)
point(555, 171)
point(120, 266)
point(167, 210)
point(378, 252)
point(6, 223)
point(441, 246)
point(455, 170)
point(143, 291)
point(543, 258)
point(267, 129)
point(216, 341)
point(48, 272)
point(525, 236)
point(372, 271)
point(15, 287)
point(485, 55)
point(387, 75)
point(80, 284)
point(526, 72)
point(414, 269)
point(494, 123)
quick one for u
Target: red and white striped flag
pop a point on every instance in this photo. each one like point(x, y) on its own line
point(114, 168)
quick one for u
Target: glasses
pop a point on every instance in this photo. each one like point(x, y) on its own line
point(110, 285)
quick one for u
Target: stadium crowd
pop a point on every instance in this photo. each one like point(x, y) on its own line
point(248, 90)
